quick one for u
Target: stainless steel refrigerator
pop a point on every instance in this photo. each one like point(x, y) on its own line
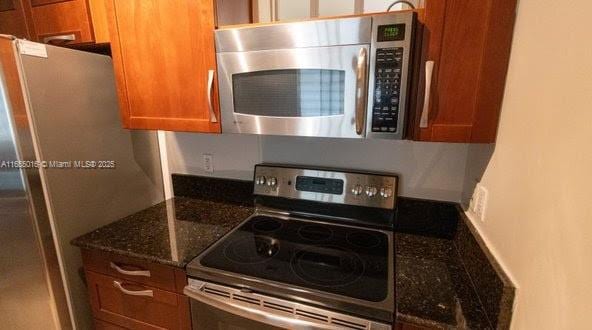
point(58, 108)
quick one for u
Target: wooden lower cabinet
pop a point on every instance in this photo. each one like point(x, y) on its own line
point(149, 296)
point(406, 326)
point(102, 325)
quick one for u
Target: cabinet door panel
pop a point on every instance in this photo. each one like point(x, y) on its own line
point(469, 41)
point(163, 51)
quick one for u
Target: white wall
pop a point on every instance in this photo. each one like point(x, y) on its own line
point(427, 170)
point(292, 10)
point(539, 215)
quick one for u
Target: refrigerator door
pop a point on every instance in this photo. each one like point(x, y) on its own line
point(31, 291)
point(73, 107)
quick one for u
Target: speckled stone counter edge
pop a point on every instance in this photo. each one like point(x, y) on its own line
point(494, 288)
point(447, 220)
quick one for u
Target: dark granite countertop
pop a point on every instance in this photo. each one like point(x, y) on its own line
point(432, 287)
point(443, 275)
point(172, 232)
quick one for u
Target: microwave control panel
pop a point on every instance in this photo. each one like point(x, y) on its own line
point(391, 46)
point(387, 89)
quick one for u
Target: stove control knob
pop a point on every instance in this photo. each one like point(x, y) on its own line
point(271, 181)
point(260, 180)
point(357, 190)
point(371, 191)
point(386, 192)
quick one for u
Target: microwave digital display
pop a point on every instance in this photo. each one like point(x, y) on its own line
point(392, 32)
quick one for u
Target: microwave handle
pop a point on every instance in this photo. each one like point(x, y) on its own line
point(213, 118)
point(425, 113)
point(361, 90)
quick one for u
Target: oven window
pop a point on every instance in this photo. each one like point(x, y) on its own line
point(289, 93)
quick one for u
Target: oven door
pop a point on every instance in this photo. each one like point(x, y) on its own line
point(215, 306)
point(207, 317)
point(320, 91)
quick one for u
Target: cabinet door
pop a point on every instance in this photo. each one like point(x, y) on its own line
point(12, 19)
point(164, 57)
point(62, 22)
point(469, 43)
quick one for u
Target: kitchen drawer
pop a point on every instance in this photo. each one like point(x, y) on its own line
point(134, 270)
point(54, 20)
point(136, 306)
point(102, 325)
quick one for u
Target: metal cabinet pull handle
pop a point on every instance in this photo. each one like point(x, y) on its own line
point(361, 91)
point(143, 293)
point(213, 118)
point(130, 272)
point(425, 113)
point(62, 37)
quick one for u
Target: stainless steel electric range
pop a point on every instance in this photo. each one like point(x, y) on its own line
point(316, 254)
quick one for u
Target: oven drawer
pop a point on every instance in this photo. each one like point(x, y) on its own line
point(136, 306)
point(130, 269)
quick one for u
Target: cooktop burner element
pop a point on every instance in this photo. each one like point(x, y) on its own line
point(315, 233)
point(289, 255)
point(266, 224)
point(251, 250)
point(363, 239)
point(328, 266)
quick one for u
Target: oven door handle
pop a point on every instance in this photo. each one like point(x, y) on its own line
point(254, 312)
point(361, 90)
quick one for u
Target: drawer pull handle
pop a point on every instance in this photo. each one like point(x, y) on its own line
point(120, 270)
point(143, 293)
point(59, 38)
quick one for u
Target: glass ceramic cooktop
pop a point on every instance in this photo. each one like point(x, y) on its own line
point(336, 259)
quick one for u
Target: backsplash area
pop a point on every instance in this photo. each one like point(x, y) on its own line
point(426, 170)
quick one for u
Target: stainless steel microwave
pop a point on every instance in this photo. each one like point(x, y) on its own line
point(343, 77)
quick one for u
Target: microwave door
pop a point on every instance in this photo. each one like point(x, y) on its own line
point(317, 92)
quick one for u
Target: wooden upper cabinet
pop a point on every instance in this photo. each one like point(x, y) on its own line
point(469, 43)
point(164, 57)
point(12, 19)
point(69, 22)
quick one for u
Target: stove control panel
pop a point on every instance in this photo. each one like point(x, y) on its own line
point(326, 185)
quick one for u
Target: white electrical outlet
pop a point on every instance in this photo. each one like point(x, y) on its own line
point(473, 201)
point(480, 202)
point(208, 163)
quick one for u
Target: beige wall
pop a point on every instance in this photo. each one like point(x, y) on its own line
point(539, 215)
